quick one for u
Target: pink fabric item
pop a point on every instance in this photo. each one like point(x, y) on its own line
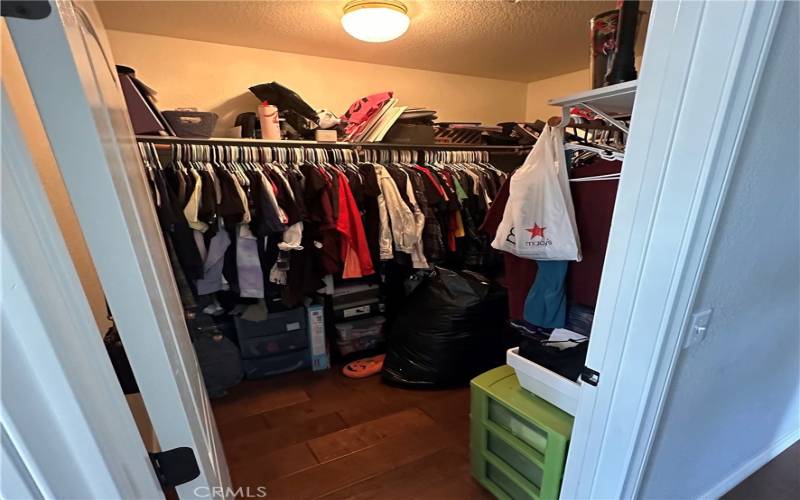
point(362, 110)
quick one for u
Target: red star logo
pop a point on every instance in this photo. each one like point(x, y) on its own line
point(536, 230)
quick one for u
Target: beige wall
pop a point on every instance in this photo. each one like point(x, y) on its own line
point(24, 107)
point(540, 91)
point(215, 77)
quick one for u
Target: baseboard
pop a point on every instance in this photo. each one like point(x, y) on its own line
point(753, 465)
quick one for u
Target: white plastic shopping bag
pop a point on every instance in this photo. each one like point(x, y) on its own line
point(539, 218)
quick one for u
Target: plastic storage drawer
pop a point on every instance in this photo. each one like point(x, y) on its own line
point(352, 295)
point(359, 335)
point(276, 323)
point(275, 365)
point(270, 345)
point(351, 330)
point(518, 441)
point(359, 311)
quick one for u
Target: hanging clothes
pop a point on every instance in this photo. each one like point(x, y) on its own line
point(353, 242)
point(401, 218)
point(546, 302)
point(417, 255)
point(594, 207)
point(260, 222)
point(174, 224)
point(212, 280)
point(520, 273)
point(374, 214)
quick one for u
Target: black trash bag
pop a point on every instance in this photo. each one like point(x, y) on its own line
point(448, 332)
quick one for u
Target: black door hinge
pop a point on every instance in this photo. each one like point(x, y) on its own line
point(25, 9)
point(176, 466)
point(590, 376)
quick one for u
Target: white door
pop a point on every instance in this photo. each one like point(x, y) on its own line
point(700, 70)
point(71, 72)
point(65, 428)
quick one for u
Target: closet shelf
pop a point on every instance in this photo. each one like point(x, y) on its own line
point(225, 141)
point(614, 100)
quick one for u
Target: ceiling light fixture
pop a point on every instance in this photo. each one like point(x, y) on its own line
point(375, 20)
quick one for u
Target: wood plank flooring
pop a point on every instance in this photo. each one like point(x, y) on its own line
point(321, 435)
point(778, 480)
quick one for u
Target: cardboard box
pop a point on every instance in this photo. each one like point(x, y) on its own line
point(325, 135)
point(315, 319)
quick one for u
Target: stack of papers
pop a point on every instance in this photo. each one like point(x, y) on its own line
point(564, 339)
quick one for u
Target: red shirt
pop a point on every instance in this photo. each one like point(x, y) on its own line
point(353, 248)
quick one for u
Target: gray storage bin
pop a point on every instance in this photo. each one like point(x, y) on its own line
point(191, 124)
point(270, 345)
point(275, 365)
point(276, 323)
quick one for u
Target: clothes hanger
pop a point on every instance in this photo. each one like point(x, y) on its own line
point(150, 161)
point(596, 178)
point(602, 153)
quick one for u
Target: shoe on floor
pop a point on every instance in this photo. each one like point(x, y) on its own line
point(363, 368)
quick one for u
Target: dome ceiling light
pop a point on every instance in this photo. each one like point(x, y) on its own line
point(375, 21)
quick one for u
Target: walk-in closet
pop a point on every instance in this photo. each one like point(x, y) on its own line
point(373, 249)
point(352, 247)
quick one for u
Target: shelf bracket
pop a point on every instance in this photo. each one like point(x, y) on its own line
point(613, 121)
point(565, 118)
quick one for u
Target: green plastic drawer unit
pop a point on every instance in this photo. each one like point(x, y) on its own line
point(518, 440)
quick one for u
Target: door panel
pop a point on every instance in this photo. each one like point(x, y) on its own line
point(71, 72)
point(65, 429)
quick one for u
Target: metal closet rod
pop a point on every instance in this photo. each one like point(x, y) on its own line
point(224, 141)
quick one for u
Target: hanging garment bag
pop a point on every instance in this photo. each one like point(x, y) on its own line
point(539, 219)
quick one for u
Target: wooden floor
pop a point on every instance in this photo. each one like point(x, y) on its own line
point(307, 435)
point(778, 480)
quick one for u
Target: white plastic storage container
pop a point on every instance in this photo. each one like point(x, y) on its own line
point(547, 384)
point(369, 327)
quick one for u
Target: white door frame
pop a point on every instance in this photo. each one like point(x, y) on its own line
point(56, 443)
point(701, 69)
point(70, 69)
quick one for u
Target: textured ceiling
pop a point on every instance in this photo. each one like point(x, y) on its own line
point(523, 41)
